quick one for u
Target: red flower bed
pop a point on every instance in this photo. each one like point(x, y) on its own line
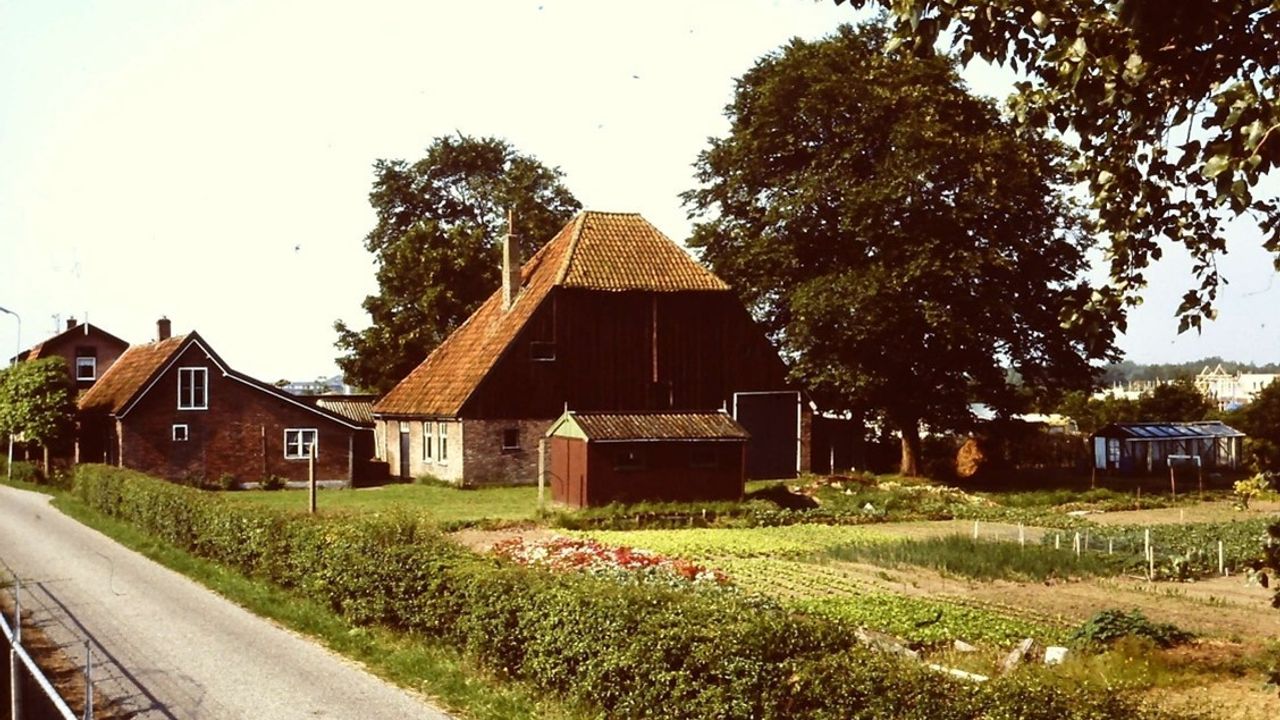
point(565, 553)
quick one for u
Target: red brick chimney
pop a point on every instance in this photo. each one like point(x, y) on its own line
point(71, 322)
point(510, 265)
point(162, 328)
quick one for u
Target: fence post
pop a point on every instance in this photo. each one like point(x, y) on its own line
point(1076, 542)
point(1222, 561)
point(15, 667)
point(1022, 535)
point(311, 478)
point(1057, 541)
point(88, 681)
point(975, 529)
point(1111, 546)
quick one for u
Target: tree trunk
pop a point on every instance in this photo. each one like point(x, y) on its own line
point(910, 465)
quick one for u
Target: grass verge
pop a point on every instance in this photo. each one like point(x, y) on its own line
point(412, 662)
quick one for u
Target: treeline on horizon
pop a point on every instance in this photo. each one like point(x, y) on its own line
point(1129, 371)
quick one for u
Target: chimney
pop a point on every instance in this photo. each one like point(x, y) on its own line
point(162, 328)
point(71, 322)
point(510, 265)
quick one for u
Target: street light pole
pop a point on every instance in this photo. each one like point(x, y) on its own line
point(16, 352)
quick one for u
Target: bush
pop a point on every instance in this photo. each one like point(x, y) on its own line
point(631, 650)
point(1109, 626)
point(272, 482)
point(226, 482)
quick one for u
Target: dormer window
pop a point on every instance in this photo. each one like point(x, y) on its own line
point(193, 388)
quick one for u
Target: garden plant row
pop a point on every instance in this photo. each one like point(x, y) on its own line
point(630, 650)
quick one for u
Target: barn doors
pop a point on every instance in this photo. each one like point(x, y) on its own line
point(773, 419)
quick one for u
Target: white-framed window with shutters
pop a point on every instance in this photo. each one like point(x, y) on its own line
point(193, 388)
point(299, 441)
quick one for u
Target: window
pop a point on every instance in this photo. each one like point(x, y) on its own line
point(193, 388)
point(511, 439)
point(1113, 452)
point(180, 433)
point(442, 435)
point(627, 460)
point(427, 439)
point(298, 443)
point(86, 368)
point(542, 351)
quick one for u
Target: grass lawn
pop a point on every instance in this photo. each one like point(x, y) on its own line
point(445, 504)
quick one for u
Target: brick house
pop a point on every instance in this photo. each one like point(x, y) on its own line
point(174, 408)
point(88, 349)
point(609, 316)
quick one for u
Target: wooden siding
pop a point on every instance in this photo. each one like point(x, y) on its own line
point(628, 352)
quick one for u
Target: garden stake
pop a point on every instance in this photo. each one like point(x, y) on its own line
point(1057, 541)
point(1222, 565)
point(1110, 546)
point(975, 529)
point(1022, 535)
point(1077, 544)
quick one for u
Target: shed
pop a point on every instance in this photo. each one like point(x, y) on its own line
point(601, 458)
point(1145, 447)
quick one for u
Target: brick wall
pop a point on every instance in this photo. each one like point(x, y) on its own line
point(242, 433)
point(486, 462)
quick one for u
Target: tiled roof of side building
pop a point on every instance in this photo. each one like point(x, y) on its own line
point(660, 426)
point(356, 408)
point(598, 251)
point(128, 374)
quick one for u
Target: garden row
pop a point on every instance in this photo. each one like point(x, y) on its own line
point(632, 650)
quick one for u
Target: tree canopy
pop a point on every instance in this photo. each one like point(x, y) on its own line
point(37, 401)
point(1174, 108)
point(1260, 420)
point(904, 244)
point(437, 246)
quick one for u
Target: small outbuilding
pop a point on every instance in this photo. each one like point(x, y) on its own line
point(601, 458)
point(1146, 447)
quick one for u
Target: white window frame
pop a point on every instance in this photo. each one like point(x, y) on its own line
point(442, 442)
point(181, 433)
point(83, 361)
point(300, 443)
point(427, 439)
point(203, 373)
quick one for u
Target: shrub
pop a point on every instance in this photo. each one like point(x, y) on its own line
point(631, 650)
point(227, 481)
point(272, 482)
point(1109, 626)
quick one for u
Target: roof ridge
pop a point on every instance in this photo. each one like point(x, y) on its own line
point(580, 223)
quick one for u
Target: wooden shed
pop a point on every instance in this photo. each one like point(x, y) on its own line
point(601, 458)
point(1145, 447)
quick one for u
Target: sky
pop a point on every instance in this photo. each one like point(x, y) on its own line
point(211, 161)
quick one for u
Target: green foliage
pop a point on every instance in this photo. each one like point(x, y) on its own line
point(1178, 401)
point(271, 483)
point(1108, 626)
point(1260, 420)
point(1182, 551)
point(37, 400)
point(923, 621)
point(980, 559)
point(1175, 108)
point(437, 246)
point(631, 650)
point(773, 542)
point(1248, 489)
point(853, 206)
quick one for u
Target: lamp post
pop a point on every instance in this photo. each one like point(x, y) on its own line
point(17, 351)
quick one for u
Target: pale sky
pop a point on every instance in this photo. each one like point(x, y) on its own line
point(211, 161)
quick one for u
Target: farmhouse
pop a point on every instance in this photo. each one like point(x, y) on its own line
point(609, 316)
point(599, 458)
point(88, 349)
point(174, 408)
point(1146, 447)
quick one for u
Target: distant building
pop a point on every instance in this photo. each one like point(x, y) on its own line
point(335, 385)
point(1231, 390)
point(88, 349)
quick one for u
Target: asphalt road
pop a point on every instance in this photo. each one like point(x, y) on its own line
point(173, 649)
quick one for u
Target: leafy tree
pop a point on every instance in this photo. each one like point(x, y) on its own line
point(1260, 421)
point(899, 239)
point(437, 244)
point(1178, 401)
point(1176, 107)
point(37, 402)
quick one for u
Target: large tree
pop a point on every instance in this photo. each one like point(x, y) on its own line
point(1173, 108)
point(902, 241)
point(37, 402)
point(437, 246)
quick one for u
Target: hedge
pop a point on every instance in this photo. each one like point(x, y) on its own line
point(633, 651)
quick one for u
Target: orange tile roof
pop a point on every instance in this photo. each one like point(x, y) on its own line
point(128, 375)
point(595, 250)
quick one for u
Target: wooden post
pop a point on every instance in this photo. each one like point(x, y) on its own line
point(1022, 535)
point(1110, 546)
point(1200, 477)
point(1173, 485)
point(1222, 563)
point(975, 529)
point(311, 478)
point(88, 681)
point(542, 474)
